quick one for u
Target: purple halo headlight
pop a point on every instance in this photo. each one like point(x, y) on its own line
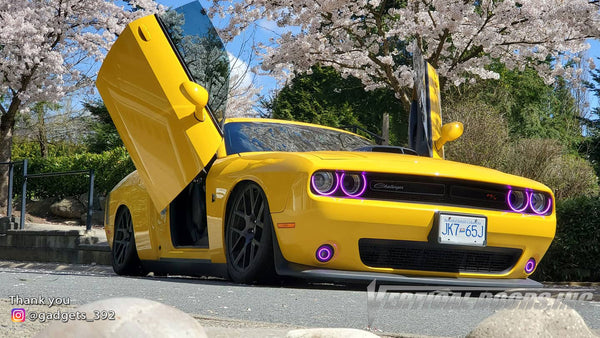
point(530, 265)
point(324, 182)
point(517, 200)
point(324, 253)
point(539, 203)
point(353, 185)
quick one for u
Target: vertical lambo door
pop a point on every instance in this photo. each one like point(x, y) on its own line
point(165, 82)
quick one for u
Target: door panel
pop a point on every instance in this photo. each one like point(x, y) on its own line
point(141, 82)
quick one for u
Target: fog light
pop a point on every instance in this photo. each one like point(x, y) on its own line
point(324, 253)
point(530, 266)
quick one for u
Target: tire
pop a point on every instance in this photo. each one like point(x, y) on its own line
point(249, 236)
point(125, 260)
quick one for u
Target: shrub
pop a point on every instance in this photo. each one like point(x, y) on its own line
point(484, 141)
point(109, 168)
point(571, 176)
point(574, 253)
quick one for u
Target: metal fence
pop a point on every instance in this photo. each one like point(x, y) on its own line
point(27, 176)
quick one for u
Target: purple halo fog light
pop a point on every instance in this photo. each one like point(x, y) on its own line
point(534, 209)
point(517, 208)
point(335, 185)
point(361, 190)
point(324, 253)
point(530, 266)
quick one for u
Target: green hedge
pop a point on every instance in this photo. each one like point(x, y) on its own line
point(575, 252)
point(109, 168)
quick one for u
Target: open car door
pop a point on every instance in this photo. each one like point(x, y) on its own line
point(154, 82)
point(425, 122)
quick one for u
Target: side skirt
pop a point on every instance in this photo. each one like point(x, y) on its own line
point(188, 267)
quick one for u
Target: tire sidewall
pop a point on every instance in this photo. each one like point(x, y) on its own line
point(131, 263)
point(261, 268)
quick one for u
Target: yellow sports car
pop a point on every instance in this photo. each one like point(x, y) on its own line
point(254, 198)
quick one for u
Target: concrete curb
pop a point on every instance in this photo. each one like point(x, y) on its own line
point(53, 243)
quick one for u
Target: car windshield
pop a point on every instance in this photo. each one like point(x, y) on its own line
point(241, 137)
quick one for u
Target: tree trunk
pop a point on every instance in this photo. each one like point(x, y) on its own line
point(5, 156)
point(7, 126)
point(42, 137)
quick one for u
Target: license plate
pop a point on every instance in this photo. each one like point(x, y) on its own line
point(462, 230)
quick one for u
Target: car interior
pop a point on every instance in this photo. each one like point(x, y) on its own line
point(188, 215)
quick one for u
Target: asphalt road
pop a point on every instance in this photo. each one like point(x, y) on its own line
point(297, 304)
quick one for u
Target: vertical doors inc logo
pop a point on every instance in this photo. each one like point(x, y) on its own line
point(18, 315)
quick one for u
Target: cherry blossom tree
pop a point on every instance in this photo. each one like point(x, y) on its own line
point(372, 39)
point(45, 47)
point(242, 89)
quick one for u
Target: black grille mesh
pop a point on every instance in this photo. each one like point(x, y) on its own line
point(423, 256)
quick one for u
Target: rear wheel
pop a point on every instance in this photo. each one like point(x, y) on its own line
point(248, 236)
point(125, 260)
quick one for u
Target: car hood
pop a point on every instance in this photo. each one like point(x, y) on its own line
point(417, 165)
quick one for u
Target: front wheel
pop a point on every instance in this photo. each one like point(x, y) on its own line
point(249, 236)
point(125, 260)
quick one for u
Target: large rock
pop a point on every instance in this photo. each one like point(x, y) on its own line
point(97, 218)
point(517, 323)
point(69, 207)
point(134, 317)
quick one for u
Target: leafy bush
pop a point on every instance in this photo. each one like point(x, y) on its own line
point(23, 148)
point(546, 161)
point(486, 142)
point(484, 139)
point(574, 253)
point(109, 168)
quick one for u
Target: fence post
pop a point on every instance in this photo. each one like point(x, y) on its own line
point(88, 222)
point(10, 189)
point(23, 196)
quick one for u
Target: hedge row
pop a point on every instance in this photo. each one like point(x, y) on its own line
point(109, 168)
point(575, 252)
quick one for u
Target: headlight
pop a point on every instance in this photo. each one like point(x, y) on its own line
point(353, 185)
point(324, 182)
point(540, 203)
point(517, 200)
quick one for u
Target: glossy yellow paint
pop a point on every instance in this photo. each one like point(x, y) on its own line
point(150, 99)
point(341, 222)
point(450, 132)
point(435, 108)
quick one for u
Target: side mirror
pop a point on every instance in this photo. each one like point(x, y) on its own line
point(450, 132)
point(198, 96)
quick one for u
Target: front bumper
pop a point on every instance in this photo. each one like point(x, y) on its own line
point(343, 222)
point(310, 273)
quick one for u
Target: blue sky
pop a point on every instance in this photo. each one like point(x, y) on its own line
point(264, 32)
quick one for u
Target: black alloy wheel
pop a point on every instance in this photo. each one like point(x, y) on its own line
point(125, 260)
point(249, 236)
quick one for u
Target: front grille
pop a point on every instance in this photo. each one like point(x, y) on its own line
point(424, 256)
point(437, 190)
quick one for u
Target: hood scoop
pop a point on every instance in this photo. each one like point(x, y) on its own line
point(388, 149)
